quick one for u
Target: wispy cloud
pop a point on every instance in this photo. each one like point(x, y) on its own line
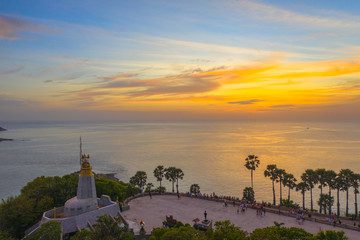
point(11, 26)
point(8, 101)
point(283, 106)
point(12, 71)
point(160, 41)
point(65, 66)
point(171, 85)
point(276, 14)
point(247, 102)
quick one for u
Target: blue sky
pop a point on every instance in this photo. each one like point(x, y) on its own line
point(179, 58)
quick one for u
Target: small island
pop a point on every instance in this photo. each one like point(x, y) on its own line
point(4, 139)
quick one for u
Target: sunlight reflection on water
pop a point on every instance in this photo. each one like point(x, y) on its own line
point(210, 153)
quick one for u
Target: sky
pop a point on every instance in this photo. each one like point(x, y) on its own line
point(179, 60)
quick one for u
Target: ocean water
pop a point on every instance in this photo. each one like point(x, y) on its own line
point(211, 154)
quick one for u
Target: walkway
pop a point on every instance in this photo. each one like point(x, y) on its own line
point(185, 209)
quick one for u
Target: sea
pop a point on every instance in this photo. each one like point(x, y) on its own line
point(211, 154)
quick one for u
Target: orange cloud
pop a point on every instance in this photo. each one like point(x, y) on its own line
point(10, 26)
point(269, 85)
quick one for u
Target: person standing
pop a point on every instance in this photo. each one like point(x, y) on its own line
point(205, 215)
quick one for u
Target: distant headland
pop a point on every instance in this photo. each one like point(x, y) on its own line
point(4, 139)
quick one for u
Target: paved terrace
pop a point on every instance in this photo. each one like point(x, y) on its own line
point(153, 212)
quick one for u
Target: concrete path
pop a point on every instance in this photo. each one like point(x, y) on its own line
point(153, 212)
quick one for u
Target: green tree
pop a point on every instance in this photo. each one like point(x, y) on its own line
point(107, 229)
point(48, 231)
point(302, 187)
point(131, 189)
point(83, 235)
point(310, 177)
point(112, 188)
point(330, 235)
point(331, 182)
point(157, 233)
point(17, 214)
point(179, 174)
point(139, 179)
point(321, 177)
point(290, 182)
point(5, 236)
point(346, 176)
point(270, 172)
point(170, 175)
point(280, 178)
point(248, 194)
point(226, 230)
point(326, 201)
point(159, 173)
point(148, 187)
point(195, 188)
point(59, 188)
point(162, 189)
point(181, 233)
point(278, 232)
point(251, 163)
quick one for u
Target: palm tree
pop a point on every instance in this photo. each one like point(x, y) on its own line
point(252, 162)
point(179, 174)
point(346, 176)
point(289, 181)
point(338, 186)
point(330, 181)
point(303, 187)
point(280, 178)
point(271, 173)
point(321, 177)
point(159, 172)
point(355, 185)
point(170, 175)
point(310, 177)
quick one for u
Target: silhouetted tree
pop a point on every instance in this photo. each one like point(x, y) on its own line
point(195, 188)
point(302, 187)
point(170, 175)
point(280, 178)
point(270, 172)
point(252, 162)
point(139, 179)
point(290, 182)
point(159, 173)
point(321, 177)
point(346, 176)
point(330, 181)
point(310, 177)
point(179, 174)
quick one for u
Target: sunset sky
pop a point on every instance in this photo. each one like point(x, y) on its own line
point(179, 60)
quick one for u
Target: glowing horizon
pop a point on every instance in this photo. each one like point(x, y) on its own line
point(206, 60)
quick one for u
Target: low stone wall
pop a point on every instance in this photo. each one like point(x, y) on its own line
point(72, 224)
point(76, 223)
point(50, 213)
